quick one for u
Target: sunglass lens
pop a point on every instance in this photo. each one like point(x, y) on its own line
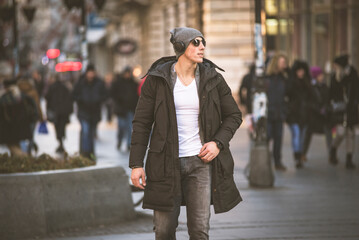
point(197, 42)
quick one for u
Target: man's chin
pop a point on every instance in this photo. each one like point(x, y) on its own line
point(199, 60)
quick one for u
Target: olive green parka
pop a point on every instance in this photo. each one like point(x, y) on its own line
point(155, 119)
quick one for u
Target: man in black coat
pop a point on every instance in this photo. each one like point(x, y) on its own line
point(125, 97)
point(344, 97)
point(89, 94)
point(245, 90)
point(187, 110)
point(59, 106)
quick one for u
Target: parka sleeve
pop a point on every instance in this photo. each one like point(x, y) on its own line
point(231, 115)
point(142, 123)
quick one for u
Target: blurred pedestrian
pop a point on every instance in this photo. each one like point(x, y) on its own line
point(27, 87)
point(59, 106)
point(300, 94)
point(89, 93)
point(17, 112)
point(318, 116)
point(245, 94)
point(277, 73)
point(189, 108)
point(39, 83)
point(109, 101)
point(125, 97)
point(140, 85)
point(344, 98)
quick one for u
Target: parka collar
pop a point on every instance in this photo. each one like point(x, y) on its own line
point(162, 68)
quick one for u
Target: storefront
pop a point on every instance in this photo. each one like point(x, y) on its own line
point(313, 30)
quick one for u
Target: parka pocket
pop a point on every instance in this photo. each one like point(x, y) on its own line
point(155, 163)
point(225, 163)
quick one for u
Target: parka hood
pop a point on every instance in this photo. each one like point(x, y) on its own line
point(162, 68)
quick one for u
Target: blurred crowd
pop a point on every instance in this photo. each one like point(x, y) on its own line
point(301, 96)
point(21, 113)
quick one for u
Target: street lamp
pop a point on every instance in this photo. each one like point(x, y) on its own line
point(81, 4)
point(260, 169)
point(8, 13)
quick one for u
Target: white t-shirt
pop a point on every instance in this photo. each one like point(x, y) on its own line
point(187, 111)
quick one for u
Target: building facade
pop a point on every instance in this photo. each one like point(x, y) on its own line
point(226, 24)
point(313, 30)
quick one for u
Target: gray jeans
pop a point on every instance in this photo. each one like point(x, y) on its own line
point(196, 190)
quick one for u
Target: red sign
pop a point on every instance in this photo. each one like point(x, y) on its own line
point(68, 67)
point(53, 53)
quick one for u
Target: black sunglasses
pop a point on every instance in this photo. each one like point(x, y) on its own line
point(197, 42)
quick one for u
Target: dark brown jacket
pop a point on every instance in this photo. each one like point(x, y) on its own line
point(219, 119)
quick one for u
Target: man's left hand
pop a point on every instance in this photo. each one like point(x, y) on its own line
point(208, 152)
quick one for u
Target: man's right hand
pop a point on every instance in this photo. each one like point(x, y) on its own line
point(136, 175)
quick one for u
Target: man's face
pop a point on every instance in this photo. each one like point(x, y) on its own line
point(195, 53)
point(90, 75)
point(127, 75)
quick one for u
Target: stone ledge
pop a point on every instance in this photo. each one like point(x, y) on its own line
point(35, 204)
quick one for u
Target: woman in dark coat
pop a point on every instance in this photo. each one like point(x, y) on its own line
point(277, 91)
point(59, 106)
point(17, 112)
point(318, 116)
point(299, 97)
point(344, 98)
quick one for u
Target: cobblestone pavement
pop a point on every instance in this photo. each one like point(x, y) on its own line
point(318, 202)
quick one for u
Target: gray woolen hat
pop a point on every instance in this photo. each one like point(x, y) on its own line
point(181, 37)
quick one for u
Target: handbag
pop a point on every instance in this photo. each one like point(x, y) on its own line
point(339, 107)
point(43, 128)
point(51, 115)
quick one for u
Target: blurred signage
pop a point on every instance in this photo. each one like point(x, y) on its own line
point(96, 22)
point(126, 46)
point(53, 53)
point(68, 66)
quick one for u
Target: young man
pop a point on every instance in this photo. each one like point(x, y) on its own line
point(124, 96)
point(89, 93)
point(192, 115)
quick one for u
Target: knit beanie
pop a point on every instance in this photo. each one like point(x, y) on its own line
point(342, 60)
point(181, 38)
point(315, 71)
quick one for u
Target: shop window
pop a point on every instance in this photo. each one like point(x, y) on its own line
point(271, 7)
point(283, 4)
point(294, 28)
point(295, 5)
point(340, 2)
point(283, 36)
point(320, 3)
point(272, 26)
point(321, 39)
point(341, 31)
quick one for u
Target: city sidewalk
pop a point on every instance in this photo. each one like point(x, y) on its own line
point(318, 202)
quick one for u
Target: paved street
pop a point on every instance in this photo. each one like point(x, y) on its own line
point(317, 202)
